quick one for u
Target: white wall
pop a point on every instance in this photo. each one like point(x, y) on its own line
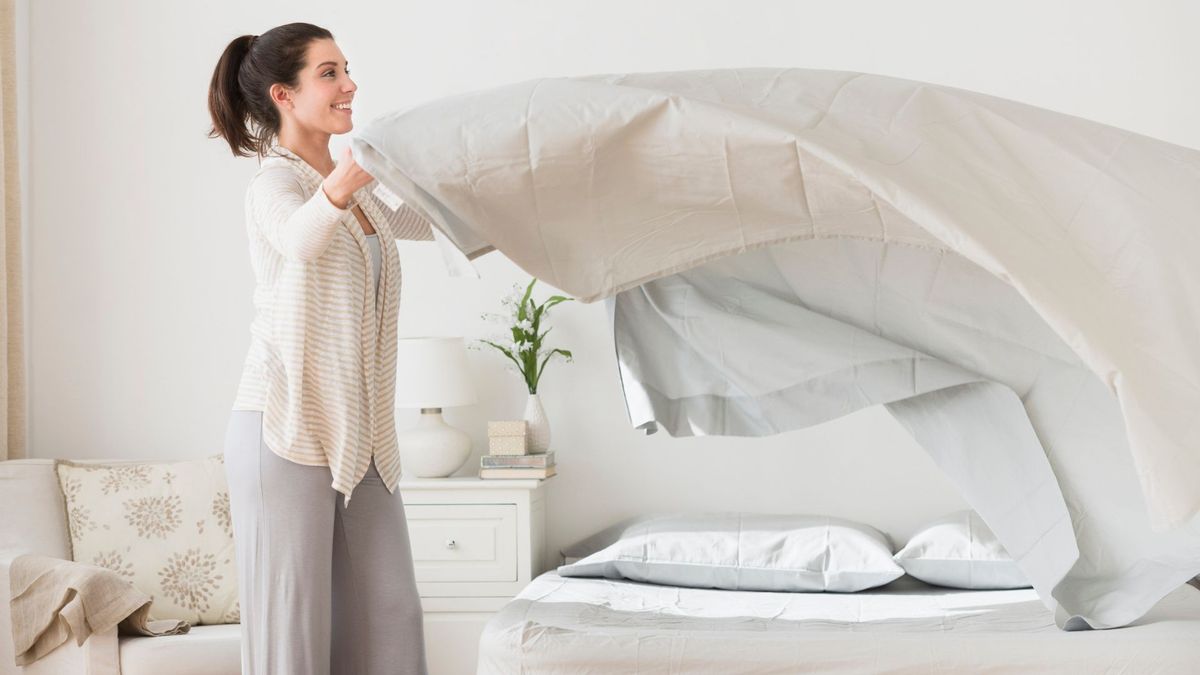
point(139, 277)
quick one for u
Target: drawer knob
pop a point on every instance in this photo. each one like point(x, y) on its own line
point(450, 543)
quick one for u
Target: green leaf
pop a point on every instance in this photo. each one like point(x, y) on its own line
point(528, 292)
point(542, 367)
point(509, 354)
point(550, 303)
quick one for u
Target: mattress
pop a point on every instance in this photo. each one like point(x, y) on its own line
point(560, 625)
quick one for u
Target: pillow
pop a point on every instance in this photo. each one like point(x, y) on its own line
point(745, 552)
point(164, 526)
point(960, 551)
point(604, 538)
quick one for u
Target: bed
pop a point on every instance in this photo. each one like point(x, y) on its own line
point(583, 625)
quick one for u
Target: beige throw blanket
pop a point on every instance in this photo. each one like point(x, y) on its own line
point(53, 599)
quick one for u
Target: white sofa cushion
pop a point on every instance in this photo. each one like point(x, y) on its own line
point(960, 551)
point(205, 650)
point(745, 551)
point(163, 525)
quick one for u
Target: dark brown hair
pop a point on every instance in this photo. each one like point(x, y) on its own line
point(239, 97)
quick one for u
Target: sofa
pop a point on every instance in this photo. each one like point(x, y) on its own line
point(34, 520)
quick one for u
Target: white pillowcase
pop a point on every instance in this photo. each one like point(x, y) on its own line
point(746, 552)
point(960, 551)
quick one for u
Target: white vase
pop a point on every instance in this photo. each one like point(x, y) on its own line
point(538, 438)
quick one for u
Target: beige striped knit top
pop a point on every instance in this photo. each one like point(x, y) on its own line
point(322, 359)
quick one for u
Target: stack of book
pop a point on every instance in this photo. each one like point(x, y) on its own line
point(517, 466)
point(508, 454)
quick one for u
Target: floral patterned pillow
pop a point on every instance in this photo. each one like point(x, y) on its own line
point(163, 525)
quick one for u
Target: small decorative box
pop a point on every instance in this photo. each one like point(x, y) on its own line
point(507, 428)
point(507, 437)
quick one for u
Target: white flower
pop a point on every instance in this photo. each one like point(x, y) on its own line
point(512, 300)
point(514, 297)
point(525, 325)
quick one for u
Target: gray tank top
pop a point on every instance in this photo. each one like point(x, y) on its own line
point(376, 257)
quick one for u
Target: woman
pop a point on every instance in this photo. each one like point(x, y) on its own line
point(325, 585)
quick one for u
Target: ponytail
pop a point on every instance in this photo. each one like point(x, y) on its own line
point(225, 102)
point(239, 96)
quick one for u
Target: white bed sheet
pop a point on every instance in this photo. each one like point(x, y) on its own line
point(602, 183)
point(558, 625)
point(803, 332)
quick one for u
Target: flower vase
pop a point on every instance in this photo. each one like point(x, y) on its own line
point(538, 438)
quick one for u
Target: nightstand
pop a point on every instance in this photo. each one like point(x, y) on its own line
point(476, 543)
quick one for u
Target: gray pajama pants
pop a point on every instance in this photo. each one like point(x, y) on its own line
point(323, 588)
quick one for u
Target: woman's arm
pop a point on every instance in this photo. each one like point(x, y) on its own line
point(299, 228)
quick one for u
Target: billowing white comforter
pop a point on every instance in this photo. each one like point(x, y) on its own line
point(1051, 365)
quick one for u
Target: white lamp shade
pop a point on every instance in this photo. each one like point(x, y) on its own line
point(431, 372)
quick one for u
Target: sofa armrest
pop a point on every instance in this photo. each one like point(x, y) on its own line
point(98, 655)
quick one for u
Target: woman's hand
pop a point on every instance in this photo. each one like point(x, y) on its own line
point(344, 180)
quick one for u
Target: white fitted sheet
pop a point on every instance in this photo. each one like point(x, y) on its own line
point(559, 625)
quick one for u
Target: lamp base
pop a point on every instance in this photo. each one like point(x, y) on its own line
point(433, 449)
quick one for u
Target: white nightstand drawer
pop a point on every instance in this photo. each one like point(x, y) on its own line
point(463, 542)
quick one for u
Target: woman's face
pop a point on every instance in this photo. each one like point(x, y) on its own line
point(321, 101)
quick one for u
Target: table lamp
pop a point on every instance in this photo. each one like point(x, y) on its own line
point(431, 374)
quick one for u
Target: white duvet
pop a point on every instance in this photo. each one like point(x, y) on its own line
point(1017, 285)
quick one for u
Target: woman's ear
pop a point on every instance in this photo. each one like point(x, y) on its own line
point(281, 96)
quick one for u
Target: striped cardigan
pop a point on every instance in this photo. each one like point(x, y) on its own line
point(322, 359)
